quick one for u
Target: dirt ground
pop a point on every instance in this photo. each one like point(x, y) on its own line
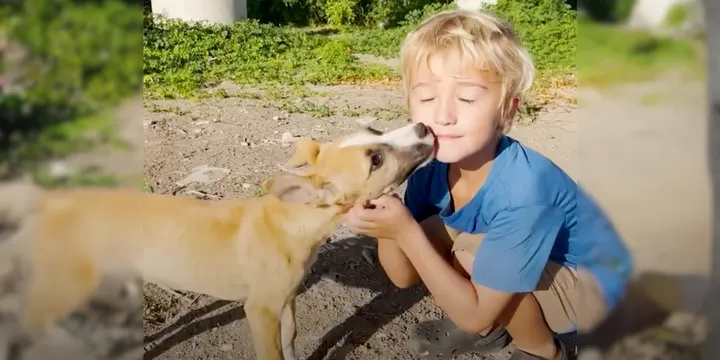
point(644, 158)
point(640, 149)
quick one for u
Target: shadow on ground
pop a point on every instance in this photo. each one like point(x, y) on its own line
point(650, 300)
point(339, 257)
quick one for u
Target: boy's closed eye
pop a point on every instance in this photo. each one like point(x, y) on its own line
point(467, 101)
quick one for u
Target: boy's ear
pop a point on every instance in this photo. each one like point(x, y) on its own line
point(293, 188)
point(510, 110)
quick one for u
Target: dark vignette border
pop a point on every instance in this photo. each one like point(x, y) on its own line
point(712, 14)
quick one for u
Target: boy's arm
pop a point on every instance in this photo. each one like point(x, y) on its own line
point(398, 266)
point(392, 259)
point(510, 260)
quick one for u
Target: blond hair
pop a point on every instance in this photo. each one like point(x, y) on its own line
point(483, 42)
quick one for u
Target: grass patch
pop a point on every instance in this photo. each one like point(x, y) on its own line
point(81, 178)
point(653, 98)
point(78, 63)
point(307, 107)
point(610, 55)
point(184, 60)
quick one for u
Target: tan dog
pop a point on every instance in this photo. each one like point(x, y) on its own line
point(258, 249)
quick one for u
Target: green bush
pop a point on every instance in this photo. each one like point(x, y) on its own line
point(370, 13)
point(181, 57)
point(609, 10)
point(82, 58)
point(548, 28)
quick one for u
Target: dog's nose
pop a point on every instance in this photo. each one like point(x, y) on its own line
point(421, 130)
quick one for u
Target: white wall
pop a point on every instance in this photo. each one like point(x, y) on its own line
point(214, 11)
point(651, 14)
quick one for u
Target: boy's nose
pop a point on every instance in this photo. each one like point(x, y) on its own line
point(445, 118)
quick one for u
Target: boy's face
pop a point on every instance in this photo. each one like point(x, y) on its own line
point(461, 107)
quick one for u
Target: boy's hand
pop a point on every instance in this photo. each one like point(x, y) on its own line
point(387, 220)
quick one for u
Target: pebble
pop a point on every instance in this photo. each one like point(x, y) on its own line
point(246, 186)
point(226, 347)
point(366, 120)
point(287, 137)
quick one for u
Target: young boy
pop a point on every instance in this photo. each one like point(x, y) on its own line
point(490, 226)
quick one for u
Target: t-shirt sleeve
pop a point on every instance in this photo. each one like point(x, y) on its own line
point(513, 255)
point(416, 197)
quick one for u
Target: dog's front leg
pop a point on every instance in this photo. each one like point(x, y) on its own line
point(288, 329)
point(263, 316)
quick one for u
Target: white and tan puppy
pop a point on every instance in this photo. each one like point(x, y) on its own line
point(258, 249)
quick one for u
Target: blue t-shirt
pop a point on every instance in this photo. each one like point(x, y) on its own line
point(527, 208)
point(606, 256)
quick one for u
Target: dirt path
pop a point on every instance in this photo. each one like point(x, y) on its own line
point(644, 159)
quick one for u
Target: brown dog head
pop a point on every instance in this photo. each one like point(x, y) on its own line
point(363, 165)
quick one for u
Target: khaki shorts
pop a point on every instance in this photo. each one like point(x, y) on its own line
point(562, 292)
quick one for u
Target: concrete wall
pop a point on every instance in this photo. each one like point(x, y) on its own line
point(223, 12)
point(652, 14)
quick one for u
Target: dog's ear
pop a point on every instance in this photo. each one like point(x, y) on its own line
point(305, 156)
point(298, 189)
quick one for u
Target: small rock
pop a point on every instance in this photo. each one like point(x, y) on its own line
point(204, 174)
point(244, 144)
point(204, 122)
point(226, 347)
point(366, 120)
point(287, 137)
point(246, 186)
point(59, 169)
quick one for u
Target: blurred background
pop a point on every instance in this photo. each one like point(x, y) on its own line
point(620, 103)
point(643, 149)
point(70, 104)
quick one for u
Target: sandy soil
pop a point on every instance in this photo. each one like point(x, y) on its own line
point(643, 157)
point(644, 160)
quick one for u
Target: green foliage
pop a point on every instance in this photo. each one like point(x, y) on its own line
point(548, 28)
point(180, 58)
point(615, 11)
point(83, 177)
point(341, 12)
point(678, 14)
point(371, 13)
point(609, 55)
point(81, 60)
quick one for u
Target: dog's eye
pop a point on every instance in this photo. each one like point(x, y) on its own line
point(376, 160)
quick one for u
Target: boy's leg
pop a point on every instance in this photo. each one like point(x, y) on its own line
point(524, 320)
point(556, 297)
point(442, 339)
point(589, 302)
